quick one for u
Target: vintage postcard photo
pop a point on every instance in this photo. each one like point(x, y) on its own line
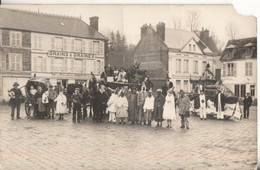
point(127, 87)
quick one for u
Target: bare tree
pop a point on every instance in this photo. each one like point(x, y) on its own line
point(177, 21)
point(106, 32)
point(193, 20)
point(232, 30)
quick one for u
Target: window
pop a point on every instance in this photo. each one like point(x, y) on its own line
point(39, 64)
point(249, 51)
point(252, 90)
point(230, 53)
point(237, 90)
point(189, 47)
point(96, 47)
point(194, 47)
point(178, 65)
point(65, 61)
point(186, 66)
point(58, 43)
point(37, 42)
point(15, 61)
point(72, 45)
point(83, 46)
point(78, 45)
point(178, 85)
point(71, 66)
point(3, 62)
point(249, 69)
point(224, 70)
point(185, 85)
point(204, 64)
point(84, 66)
point(58, 65)
point(65, 44)
point(195, 66)
point(52, 64)
point(16, 40)
point(101, 48)
point(90, 46)
point(231, 69)
point(243, 90)
point(78, 66)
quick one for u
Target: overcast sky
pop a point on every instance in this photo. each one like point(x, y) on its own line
point(129, 18)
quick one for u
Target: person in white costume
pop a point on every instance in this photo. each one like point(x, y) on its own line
point(148, 107)
point(112, 108)
point(203, 114)
point(169, 113)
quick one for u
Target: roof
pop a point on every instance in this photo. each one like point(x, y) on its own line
point(240, 51)
point(177, 39)
point(47, 23)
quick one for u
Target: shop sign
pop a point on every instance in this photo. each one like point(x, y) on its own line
point(52, 53)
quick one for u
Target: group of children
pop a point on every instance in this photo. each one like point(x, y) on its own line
point(141, 107)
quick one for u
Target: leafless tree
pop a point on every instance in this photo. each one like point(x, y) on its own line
point(193, 20)
point(106, 32)
point(177, 21)
point(232, 30)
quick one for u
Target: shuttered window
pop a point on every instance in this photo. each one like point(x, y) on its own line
point(84, 66)
point(83, 46)
point(72, 45)
point(249, 69)
point(72, 65)
point(90, 46)
point(52, 43)
point(44, 64)
point(101, 48)
point(15, 61)
point(65, 61)
point(65, 48)
point(52, 64)
point(15, 39)
point(3, 62)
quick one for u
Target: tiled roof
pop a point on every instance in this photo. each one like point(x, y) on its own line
point(240, 51)
point(46, 23)
point(176, 39)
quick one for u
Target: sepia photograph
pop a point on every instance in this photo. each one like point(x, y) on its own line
point(127, 87)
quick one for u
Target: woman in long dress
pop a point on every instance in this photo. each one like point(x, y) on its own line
point(169, 108)
point(61, 107)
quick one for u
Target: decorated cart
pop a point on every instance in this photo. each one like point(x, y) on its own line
point(208, 83)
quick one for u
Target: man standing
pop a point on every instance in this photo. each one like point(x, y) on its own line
point(148, 107)
point(203, 115)
point(15, 100)
point(132, 105)
point(101, 101)
point(76, 99)
point(158, 107)
point(247, 104)
point(141, 96)
point(184, 109)
point(52, 96)
point(148, 84)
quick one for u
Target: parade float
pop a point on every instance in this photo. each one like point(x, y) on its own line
point(209, 84)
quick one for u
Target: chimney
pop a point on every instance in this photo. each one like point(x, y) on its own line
point(160, 29)
point(94, 22)
point(143, 29)
point(204, 34)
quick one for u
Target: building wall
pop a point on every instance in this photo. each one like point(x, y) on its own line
point(152, 55)
point(181, 78)
point(7, 50)
point(241, 78)
point(67, 57)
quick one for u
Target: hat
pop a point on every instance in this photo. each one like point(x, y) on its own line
point(159, 90)
point(51, 86)
point(150, 91)
point(15, 84)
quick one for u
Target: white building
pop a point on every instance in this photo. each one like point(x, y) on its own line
point(60, 48)
point(239, 66)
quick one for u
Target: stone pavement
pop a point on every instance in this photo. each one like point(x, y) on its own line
point(53, 144)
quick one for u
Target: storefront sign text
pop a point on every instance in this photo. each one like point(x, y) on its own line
point(53, 53)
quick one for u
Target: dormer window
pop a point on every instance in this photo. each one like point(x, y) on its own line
point(189, 47)
point(194, 48)
point(249, 51)
point(230, 53)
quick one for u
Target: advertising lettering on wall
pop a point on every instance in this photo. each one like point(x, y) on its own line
point(52, 53)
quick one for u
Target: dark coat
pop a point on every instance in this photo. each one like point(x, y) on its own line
point(18, 96)
point(101, 99)
point(222, 102)
point(158, 107)
point(247, 101)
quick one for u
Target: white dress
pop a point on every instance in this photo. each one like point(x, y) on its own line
point(169, 108)
point(61, 104)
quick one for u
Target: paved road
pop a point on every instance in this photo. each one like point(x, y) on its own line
point(53, 144)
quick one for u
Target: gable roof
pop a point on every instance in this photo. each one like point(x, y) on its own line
point(241, 45)
point(189, 42)
point(46, 23)
point(177, 39)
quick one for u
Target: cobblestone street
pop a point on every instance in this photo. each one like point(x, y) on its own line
point(52, 144)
